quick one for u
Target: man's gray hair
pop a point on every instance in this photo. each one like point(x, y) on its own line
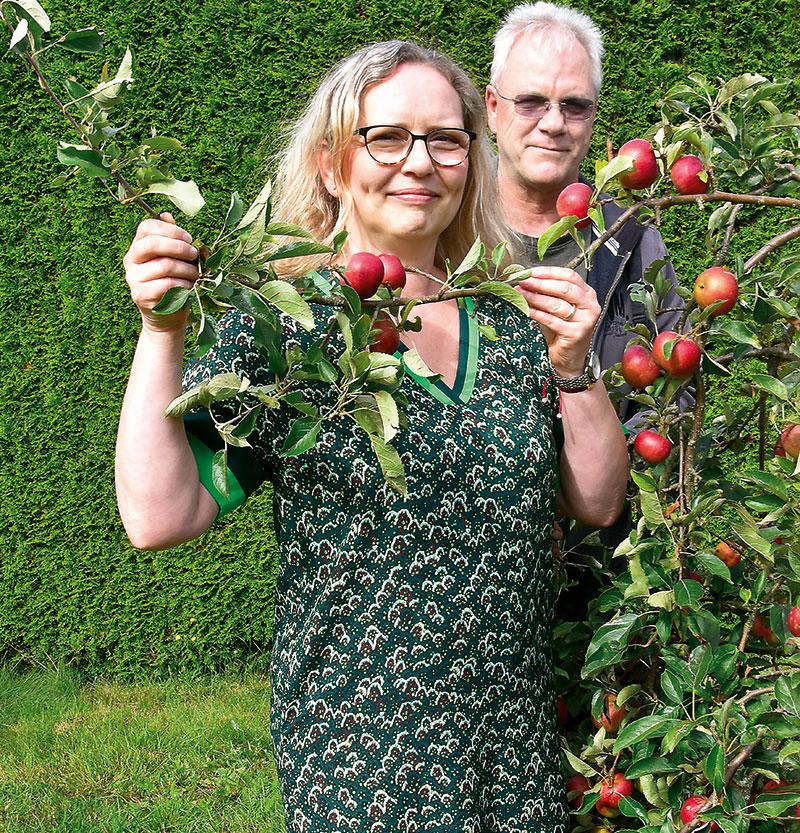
point(553, 23)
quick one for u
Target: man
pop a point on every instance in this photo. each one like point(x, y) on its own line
point(542, 102)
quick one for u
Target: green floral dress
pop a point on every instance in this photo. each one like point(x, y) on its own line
point(412, 675)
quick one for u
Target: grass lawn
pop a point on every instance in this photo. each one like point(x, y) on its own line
point(109, 757)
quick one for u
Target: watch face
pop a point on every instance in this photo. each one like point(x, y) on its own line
point(593, 365)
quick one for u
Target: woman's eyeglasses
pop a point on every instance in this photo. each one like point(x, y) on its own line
point(535, 106)
point(389, 144)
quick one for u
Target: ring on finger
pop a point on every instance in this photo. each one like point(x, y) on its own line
point(570, 313)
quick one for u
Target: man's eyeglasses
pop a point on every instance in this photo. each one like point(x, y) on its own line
point(389, 144)
point(535, 106)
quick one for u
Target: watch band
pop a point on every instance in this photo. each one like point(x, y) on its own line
point(576, 384)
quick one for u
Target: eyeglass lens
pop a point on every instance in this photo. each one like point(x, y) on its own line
point(391, 145)
point(535, 106)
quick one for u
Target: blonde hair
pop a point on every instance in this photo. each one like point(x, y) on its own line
point(330, 119)
point(552, 23)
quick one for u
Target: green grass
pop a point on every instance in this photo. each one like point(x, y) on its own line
point(109, 757)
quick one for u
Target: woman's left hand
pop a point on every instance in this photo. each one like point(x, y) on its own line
point(566, 307)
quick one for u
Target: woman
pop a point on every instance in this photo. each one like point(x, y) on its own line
point(412, 685)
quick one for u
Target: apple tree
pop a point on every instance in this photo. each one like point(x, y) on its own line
point(679, 696)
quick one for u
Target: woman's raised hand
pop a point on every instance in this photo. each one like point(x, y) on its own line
point(159, 258)
point(566, 307)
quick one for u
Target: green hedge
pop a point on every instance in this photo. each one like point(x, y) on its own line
point(224, 79)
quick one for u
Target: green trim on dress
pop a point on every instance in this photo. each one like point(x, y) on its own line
point(204, 457)
point(469, 337)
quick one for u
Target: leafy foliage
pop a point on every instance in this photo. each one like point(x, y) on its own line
point(225, 78)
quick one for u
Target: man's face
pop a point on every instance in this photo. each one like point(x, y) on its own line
point(545, 153)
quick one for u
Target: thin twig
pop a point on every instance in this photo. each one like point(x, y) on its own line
point(770, 246)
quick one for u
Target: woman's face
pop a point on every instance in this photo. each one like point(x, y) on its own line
point(407, 205)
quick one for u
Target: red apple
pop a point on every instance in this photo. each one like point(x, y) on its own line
point(364, 273)
point(611, 717)
point(790, 440)
point(684, 358)
point(394, 273)
point(645, 171)
point(573, 201)
point(761, 630)
point(562, 712)
point(727, 554)
point(716, 284)
point(793, 621)
point(638, 368)
point(692, 576)
point(387, 338)
point(772, 785)
point(691, 807)
point(684, 174)
point(611, 791)
point(652, 447)
point(577, 784)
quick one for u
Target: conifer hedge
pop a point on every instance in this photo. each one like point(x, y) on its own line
point(224, 77)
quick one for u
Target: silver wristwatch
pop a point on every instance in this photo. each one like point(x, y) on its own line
point(591, 373)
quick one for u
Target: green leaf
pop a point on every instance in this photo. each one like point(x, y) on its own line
point(298, 248)
point(618, 166)
point(476, 252)
point(174, 299)
point(641, 729)
point(413, 361)
point(648, 766)
point(109, 93)
point(507, 293)
point(391, 465)
point(768, 481)
point(390, 418)
point(646, 482)
point(711, 562)
point(88, 160)
point(639, 585)
point(775, 803)
point(18, 35)
point(189, 400)
point(35, 12)
point(651, 509)
point(339, 241)
point(258, 207)
point(287, 299)
point(787, 693)
point(219, 471)
point(225, 386)
point(714, 767)
point(781, 307)
point(488, 332)
point(84, 40)
point(771, 385)
point(750, 534)
point(555, 232)
point(633, 809)
point(302, 436)
point(184, 194)
point(609, 643)
point(499, 253)
point(739, 332)
point(287, 230)
point(246, 426)
point(687, 593)
point(162, 143)
point(663, 598)
point(578, 765)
